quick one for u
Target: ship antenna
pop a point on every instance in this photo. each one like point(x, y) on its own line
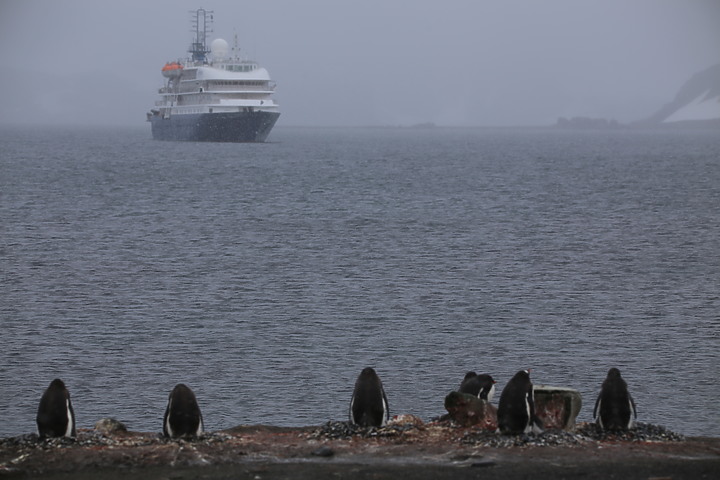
point(201, 21)
point(236, 50)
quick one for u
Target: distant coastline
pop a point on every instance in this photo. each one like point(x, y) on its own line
point(587, 123)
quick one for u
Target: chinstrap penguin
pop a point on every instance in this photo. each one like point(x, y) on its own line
point(55, 415)
point(481, 386)
point(369, 405)
point(182, 415)
point(516, 410)
point(614, 407)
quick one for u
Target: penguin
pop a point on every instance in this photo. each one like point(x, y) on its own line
point(369, 405)
point(182, 415)
point(482, 386)
point(516, 410)
point(614, 407)
point(55, 415)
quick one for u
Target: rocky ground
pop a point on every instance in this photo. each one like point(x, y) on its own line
point(404, 449)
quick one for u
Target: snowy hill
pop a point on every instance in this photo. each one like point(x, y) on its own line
point(697, 101)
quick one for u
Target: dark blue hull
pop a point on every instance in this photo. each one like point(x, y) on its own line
point(214, 127)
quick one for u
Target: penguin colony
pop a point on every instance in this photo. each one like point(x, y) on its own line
point(614, 408)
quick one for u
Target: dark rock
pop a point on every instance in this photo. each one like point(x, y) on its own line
point(468, 410)
point(109, 426)
point(323, 451)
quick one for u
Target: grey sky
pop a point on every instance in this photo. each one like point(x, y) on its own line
point(370, 62)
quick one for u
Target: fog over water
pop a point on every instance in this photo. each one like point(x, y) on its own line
point(342, 63)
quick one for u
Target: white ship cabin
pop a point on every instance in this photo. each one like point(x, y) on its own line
point(224, 84)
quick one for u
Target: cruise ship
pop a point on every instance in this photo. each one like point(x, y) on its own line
point(214, 95)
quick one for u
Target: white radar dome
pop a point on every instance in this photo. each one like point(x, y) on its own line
point(219, 48)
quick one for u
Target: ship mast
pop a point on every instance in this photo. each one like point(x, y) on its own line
point(201, 21)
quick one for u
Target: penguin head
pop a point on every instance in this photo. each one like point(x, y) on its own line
point(469, 375)
point(486, 380)
point(613, 373)
point(368, 372)
point(487, 387)
point(57, 384)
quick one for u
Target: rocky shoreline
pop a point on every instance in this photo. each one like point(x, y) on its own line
point(402, 449)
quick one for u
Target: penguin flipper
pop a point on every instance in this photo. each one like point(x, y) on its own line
point(534, 425)
point(386, 409)
point(71, 430)
point(201, 427)
point(166, 422)
point(597, 408)
point(351, 414)
point(530, 399)
point(632, 404)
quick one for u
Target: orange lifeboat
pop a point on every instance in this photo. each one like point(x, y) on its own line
point(172, 69)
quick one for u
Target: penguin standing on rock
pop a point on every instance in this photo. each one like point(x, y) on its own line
point(481, 386)
point(55, 415)
point(614, 407)
point(182, 415)
point(369, 405)
point(516, 410)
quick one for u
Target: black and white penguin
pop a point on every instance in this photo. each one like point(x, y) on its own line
point(55, 415)
point(614, 407)
point(182, 415)
point(482, 386)
point(369, 405)
point(516, 410)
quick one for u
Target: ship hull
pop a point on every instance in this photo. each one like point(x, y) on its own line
point(214, 127)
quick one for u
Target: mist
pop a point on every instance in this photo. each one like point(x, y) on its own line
point(342, 63)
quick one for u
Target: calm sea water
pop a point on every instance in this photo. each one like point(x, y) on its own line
point(267, 276)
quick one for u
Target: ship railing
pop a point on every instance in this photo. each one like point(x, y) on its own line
point(239, 88)
point(196, 108)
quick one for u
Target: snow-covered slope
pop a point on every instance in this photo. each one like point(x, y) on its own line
point(697, 100)
point(704, 107)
